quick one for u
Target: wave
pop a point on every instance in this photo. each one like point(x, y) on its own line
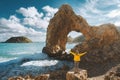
point(2, 59)
point(30, 64)
point(41, 63)
point(27, 60)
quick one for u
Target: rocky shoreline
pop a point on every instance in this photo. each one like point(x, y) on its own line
point(95, 72)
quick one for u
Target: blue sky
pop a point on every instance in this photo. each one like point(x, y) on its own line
point(31, 17)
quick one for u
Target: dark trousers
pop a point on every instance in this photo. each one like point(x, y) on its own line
point(76, 66)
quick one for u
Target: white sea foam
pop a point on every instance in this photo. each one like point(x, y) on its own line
point(41, 63)
point(27, 62)
point(5, 59)
point(32, 64)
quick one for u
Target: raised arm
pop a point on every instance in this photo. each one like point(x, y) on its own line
point(81, 54)
point(72, 53)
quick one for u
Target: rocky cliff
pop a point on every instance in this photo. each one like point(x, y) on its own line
point(101, 42)
point(20, 39)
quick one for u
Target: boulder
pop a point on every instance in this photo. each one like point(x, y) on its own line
point(42, 77)
point(102, 42)
point(113, 74)
point(81, 75)
point(20, 39)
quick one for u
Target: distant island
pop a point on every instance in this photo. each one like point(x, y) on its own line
point(19, 39)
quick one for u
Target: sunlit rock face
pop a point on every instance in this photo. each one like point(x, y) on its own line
point(102, 45)
point(101, 42)
point(63, 22)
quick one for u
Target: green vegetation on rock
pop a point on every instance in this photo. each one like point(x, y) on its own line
point(20, 39)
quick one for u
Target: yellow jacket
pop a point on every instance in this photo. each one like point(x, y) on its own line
point(77, 56)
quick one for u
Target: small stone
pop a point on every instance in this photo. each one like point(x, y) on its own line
point(42, 77)
point(81, 75)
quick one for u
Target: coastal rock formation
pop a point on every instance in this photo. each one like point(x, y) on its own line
point(63, 22)
point(20, 39)
point(101, 42)
point(113, 74)
point(81, 75)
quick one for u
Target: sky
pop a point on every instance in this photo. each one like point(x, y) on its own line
point(30, 18)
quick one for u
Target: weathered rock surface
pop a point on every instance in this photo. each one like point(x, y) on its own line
point(81, 75)
point(20, 39)
point(102, 42)
point(113, 74)
point(63, 22)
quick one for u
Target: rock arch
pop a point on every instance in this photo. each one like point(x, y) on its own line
point(97, 38)
point(63, 22)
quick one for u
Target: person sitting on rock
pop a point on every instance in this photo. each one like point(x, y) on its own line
point(77, 58)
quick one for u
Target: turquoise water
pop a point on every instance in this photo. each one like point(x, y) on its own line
point(15, 50)
point(24, 58)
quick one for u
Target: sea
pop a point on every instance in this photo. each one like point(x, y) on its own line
point(27, 58)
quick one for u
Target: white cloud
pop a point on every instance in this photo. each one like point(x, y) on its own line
point(12, 27)
point(114, 13)
point(29, 12)
point(98, 12)
point(33, 24)
point(33, 17)
point(50, 11)
point(12, 24)
point(36, 19)
point(118, 5)
point(36, 36)
point(74, 34)
point(117, 23)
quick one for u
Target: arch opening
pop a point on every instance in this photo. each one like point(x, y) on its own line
point(74, 38)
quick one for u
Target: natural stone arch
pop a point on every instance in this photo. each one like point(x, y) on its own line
point(101, 42)
point(63, 22)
